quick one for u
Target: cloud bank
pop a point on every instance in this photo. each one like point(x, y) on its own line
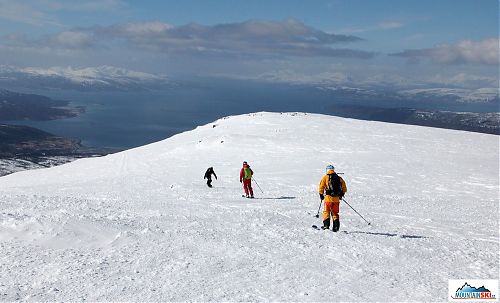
point(253, 38)
point(466, 51)
point(36, 12)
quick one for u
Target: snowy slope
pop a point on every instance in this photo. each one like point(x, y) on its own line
point(142, 225)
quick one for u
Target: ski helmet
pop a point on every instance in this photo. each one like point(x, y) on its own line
point(245, 163)
point(330, 167)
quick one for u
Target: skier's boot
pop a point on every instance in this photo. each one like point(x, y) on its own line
point(336, 225)
point(326, 224)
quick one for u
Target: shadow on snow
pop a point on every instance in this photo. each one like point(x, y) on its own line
point(386, 234)
point(279, 198)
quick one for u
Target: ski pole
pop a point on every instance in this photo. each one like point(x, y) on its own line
point(320, 202)
point(257, 184)
point(356, 211)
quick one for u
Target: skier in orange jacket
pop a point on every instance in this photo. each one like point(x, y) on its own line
point(331, 189)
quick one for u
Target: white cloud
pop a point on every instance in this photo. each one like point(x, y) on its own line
point(250, 38)
point(465, 80)
point(71, 40)
point(25, 12)
point(42, 12)
point(466, 51)
point(92, 5)
point(145, 28)
point(386, 25)
point(291, 76)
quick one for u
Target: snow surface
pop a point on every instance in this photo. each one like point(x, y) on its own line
point(141, 225)
point(12, 165)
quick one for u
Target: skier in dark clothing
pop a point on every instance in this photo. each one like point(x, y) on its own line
point(208, 176)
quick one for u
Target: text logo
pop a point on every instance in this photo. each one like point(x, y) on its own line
point(473, 290)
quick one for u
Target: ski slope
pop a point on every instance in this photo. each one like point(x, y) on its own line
point(141, 225)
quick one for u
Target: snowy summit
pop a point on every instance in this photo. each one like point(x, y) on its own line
point(142, 225)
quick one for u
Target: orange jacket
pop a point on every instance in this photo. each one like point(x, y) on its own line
point(323, 184)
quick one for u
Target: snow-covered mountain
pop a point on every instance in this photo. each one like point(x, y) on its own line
point(89, 78)
point(462, 95)
point(461, 87)
point(141, 225)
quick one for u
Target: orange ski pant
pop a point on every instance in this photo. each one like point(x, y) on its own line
point(331, 209)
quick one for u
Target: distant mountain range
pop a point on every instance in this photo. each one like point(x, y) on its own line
point(476, 122)
point(459, 88)
point(455, 94)
point(85, 79)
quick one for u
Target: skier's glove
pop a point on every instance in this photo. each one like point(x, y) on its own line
point(321, 197)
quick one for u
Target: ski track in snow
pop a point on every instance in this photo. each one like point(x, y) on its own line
point(141, 225)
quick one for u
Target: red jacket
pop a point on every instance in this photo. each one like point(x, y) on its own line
point(242, 172)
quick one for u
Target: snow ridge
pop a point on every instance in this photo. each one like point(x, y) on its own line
point(141, 225)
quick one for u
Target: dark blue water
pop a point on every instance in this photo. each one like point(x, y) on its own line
point(129, 119)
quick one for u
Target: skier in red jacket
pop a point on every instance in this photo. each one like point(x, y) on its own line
point(246, 174)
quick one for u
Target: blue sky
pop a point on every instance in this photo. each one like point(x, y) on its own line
point(354, 39)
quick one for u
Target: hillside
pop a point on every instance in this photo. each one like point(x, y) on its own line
point(488, 123)
point(24, 140)
point(19, 106)
point(141, 225)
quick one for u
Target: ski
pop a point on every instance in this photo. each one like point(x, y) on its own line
point(319, 228)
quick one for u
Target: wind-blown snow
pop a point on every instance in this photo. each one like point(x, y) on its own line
point(141, 225)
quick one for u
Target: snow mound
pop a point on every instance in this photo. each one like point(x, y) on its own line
point(142, 225)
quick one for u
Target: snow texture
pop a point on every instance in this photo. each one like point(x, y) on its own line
point(141, 225)
point(12, 165)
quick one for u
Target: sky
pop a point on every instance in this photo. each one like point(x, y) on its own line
point(453, 42)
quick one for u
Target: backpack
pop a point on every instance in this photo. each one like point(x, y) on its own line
point(334, 186)
point(247, 173)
